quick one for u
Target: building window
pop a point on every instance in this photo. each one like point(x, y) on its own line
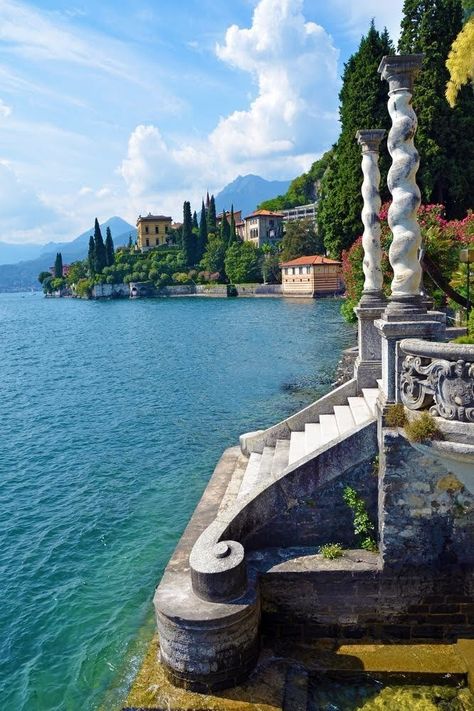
point(157, 229)
point(146, 229)
point(157, 241)
point(300, 270)
point(308, 270)
point(166, 229)
point(147, 241)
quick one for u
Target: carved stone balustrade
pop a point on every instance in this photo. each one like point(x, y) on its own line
point(438, 376)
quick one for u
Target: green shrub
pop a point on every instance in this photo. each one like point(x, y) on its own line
point(331, 551)
point(464, 339)
point(422, 428)
point(363, 527)
point(395, 416)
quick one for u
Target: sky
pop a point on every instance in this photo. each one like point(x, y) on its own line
point(124, 107)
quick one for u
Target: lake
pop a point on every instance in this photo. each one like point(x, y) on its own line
point(114, 415)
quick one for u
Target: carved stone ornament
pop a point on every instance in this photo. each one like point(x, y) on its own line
point(447, 387)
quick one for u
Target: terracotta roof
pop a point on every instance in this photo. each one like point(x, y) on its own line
point(264, 213)
point(312, 259)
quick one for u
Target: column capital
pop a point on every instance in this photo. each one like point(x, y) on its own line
point(369, 139)
point(400, 70)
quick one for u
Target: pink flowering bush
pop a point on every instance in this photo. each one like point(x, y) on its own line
point(442, 241)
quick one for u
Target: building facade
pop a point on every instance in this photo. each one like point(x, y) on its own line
point(152, 231)
point(263, 227)
point(302, 212)
point(311, 276)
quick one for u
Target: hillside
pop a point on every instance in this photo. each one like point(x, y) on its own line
point(23, 275)
point(302, 190)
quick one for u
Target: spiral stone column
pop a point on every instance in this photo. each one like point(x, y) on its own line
point(405, 315)
point(368, 364)
point(400, 72)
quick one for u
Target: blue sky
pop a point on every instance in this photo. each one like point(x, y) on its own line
point(127, 107)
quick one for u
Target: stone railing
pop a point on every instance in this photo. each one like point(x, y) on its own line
point(438, 376)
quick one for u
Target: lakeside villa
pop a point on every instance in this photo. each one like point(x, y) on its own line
point(311, 276)
point(152, 231)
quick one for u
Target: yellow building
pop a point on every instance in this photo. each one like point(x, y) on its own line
point(152, 231)
point(311, 276)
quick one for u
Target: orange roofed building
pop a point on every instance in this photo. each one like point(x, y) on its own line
point(263, 227)
point(311, 276)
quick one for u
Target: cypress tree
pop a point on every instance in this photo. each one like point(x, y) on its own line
point(58, 266)
point(225, 229)
point(233, 233)
point(202, 237)
point(109, 248)
point(363, 104)
point(445, 136)
point(99, 249)
point(211, 215)
point(91, 256)
point(188, 238)
point(195, 221)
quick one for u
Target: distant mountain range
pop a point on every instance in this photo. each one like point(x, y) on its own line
point(248, 191)
point(24, 274)
point(20, 264)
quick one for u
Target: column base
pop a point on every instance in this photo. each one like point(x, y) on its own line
point(368, 366)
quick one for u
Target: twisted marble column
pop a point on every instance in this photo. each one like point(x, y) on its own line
point(369, 140)
point(400, 72)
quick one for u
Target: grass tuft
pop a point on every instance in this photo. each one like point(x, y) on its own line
point(422, 428)
point(332, 551)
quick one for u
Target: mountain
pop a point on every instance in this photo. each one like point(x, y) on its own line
point(248, 191)
point(24, 274)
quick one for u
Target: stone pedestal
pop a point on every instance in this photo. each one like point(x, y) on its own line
point(430, 326)
point(368, 366)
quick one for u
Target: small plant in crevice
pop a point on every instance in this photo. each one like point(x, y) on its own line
point(376, 465)
point(332, 551)
point(395, 416)
point(364, 529)
point(422, 428)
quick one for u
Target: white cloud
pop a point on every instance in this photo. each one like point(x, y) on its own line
point(356, 16)
point(5, 110)
point(292, 119)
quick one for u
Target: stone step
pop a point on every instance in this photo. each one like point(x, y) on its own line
point(297, 447)
point(329, 429)
point(312, 432)
point(359, 409)
point(370, 396)
point(265, 470)
point(251, 475)
point(344, 419)
point(280, 458)
point(295, 693)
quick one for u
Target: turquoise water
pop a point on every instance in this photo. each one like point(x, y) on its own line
point(113, 417)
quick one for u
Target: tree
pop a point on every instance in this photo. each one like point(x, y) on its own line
point(233, 232)
point(225, 229)
point(211, 215)
point(109, 249)
point(99, 249)
point(214, 256)
point(202, 237)
point(271, 265)
point(195, 221)
point(77, 271)
point(42, 276)
point(130, 242)
point(459, 63)
point(243, 263)
point(91, 256)
point(300, 239)
point(58, 266)
point(444, 136)
point(188, 238)
point(363, 104)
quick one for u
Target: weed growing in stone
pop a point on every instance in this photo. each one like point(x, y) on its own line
point(331, 551)
point(422, 428)
point(363, 527)
point(395, 416)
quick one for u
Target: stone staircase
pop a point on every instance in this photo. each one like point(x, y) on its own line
point(265, 467)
